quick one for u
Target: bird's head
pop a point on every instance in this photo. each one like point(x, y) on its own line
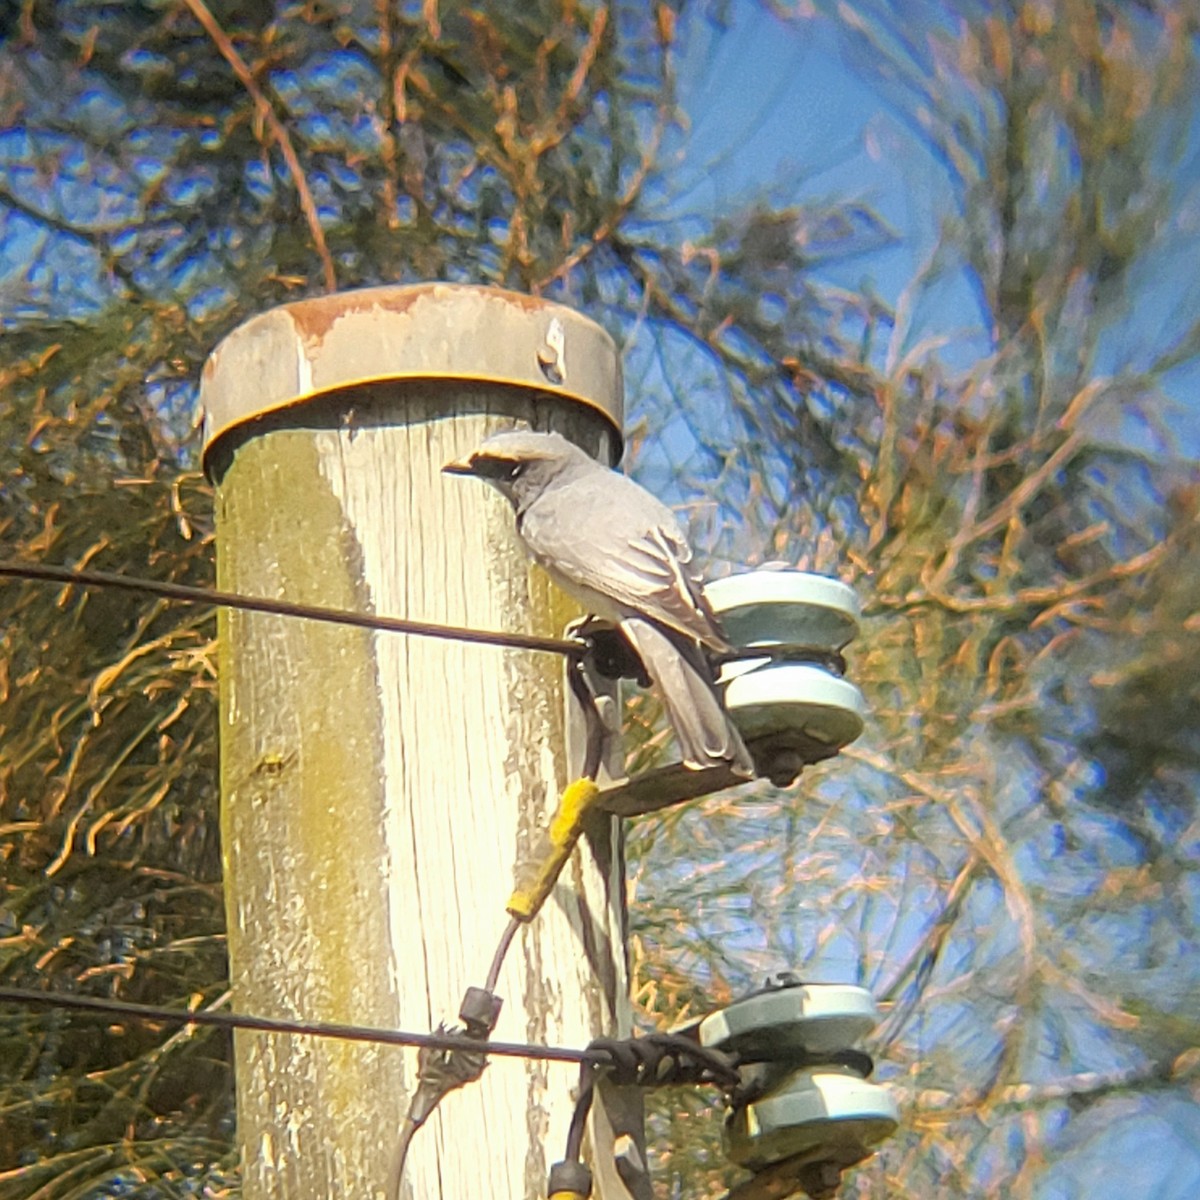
point(520, 463)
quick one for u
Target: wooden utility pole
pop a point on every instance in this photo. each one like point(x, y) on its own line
point(377, 789)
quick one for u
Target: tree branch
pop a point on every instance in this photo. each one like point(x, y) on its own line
point(266, 112)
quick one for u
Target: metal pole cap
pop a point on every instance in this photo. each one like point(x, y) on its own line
point(430, 331)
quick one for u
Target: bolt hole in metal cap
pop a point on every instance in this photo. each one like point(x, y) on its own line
point(783, 612)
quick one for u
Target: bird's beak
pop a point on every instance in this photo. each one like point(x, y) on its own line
point(460, 466)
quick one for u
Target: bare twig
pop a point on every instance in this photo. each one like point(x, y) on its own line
point(267, 114)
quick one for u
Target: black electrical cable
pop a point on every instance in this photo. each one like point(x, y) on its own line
point(583, 1106)
point(395, 1179)
point(652, 1060)
point(187, 594)
point(437, 1083)
point(506, 939)
point(354, 1033)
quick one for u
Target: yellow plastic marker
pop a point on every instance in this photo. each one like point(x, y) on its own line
point(537, 875)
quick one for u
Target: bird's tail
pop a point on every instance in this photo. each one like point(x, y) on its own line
point(682, 677)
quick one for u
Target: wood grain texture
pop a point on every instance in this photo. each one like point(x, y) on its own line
point(377, 790)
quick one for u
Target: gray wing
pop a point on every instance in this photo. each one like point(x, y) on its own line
point(606, 534)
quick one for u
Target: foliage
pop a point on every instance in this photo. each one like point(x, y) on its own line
point(1007, 858)
point(111, 870)
point(1011, 863)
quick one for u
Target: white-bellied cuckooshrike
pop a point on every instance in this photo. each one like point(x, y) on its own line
point(608, 542)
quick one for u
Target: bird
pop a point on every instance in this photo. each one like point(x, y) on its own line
point(621, 552)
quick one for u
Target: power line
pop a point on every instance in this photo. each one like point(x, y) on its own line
point(187, 594)
point(353, 1033)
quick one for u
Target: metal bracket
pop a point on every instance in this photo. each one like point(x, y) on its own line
point(619, 1143)
point(779, 757)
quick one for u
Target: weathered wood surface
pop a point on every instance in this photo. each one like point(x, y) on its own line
point(376, 790)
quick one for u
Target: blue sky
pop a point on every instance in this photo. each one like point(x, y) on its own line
point(775, 108)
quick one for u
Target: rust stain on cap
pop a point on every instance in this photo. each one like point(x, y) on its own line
point(315, 317)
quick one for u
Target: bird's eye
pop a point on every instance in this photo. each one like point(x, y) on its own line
point(500, 469)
